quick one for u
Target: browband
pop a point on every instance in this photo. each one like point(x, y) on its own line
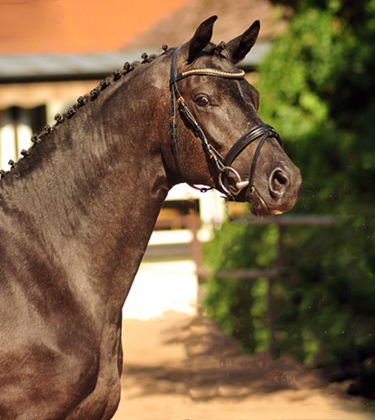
point(209, 72)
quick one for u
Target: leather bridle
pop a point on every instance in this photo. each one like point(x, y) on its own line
point(222, 165)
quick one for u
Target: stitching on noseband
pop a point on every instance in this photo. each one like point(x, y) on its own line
point(222, 165)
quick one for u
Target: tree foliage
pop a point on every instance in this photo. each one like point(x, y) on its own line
point(318, 91)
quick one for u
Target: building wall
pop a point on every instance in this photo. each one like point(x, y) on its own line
point(27, 107)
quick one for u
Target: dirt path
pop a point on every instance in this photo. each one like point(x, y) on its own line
point(185, 367)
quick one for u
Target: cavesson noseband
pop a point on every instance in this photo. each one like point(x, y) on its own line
point(222, 165)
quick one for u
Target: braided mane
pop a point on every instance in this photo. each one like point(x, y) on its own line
point(42, 136)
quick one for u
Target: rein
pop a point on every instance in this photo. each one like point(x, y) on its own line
point(222, 165)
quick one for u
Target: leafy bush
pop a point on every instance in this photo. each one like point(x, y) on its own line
point(323, 301)
point(317, 89)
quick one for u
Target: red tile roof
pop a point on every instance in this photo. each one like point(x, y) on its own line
point(71, 26)
point(234, 17)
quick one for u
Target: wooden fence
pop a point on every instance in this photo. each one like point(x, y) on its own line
point(273, 274)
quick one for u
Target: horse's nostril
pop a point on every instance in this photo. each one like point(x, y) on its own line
point(278, 182)
point(280, 178)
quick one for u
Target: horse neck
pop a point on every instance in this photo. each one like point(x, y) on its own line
point(94, 198)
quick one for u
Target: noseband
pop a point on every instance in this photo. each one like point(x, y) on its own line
point(222, 165)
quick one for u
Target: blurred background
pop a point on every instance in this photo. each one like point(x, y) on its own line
point(300, 284)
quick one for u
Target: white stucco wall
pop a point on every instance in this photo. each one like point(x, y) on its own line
point(160, 287)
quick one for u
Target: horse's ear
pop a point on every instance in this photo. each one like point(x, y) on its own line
point(201, 38)
point(240, 46)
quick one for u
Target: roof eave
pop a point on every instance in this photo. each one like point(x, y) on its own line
point(64, 67)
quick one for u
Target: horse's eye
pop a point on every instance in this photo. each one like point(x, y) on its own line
point(202, 101)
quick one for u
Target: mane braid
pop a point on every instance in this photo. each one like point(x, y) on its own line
point(39, 137)
point(219, 49)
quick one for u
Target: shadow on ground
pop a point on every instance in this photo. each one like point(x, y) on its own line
point(215, 366)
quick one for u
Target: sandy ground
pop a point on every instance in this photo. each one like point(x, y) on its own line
point(184, 367)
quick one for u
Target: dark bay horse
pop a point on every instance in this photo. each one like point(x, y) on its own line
point(77, 211)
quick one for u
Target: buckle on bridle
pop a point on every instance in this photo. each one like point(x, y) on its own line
point(240, 185)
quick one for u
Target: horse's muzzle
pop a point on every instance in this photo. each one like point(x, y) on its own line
point(278, 195)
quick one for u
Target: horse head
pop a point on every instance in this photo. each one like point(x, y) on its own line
point(218, 137)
